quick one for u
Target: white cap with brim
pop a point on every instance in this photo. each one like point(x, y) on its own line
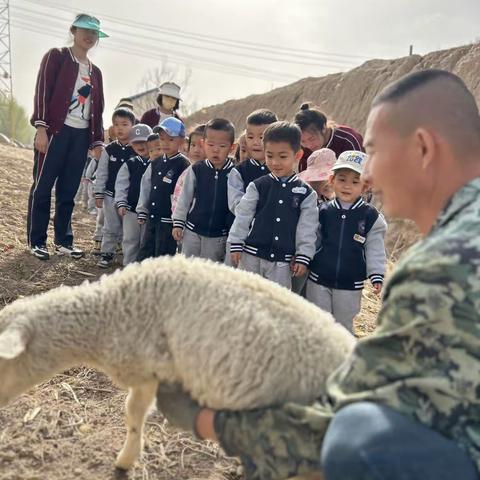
point(351, 160)
point(89, 23)
point(170, 89)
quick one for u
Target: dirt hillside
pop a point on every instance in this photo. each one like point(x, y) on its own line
point(346, 97)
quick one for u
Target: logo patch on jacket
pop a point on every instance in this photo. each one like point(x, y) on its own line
point(113, 159)
point(358, 238)
point(301, 190)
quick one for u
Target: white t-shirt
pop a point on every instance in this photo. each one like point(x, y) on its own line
point(78, 115)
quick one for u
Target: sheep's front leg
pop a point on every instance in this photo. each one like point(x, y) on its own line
point(138, 402)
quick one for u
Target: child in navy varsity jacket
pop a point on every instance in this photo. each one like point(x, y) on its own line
point(113, 157)
point(127, 191)
point(156, 190)
point(351, 244)
point(203, 204)
point(274, 231)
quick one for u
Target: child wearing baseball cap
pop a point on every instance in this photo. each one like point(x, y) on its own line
point(351, 244)
point(127, 191)
point(158, 184)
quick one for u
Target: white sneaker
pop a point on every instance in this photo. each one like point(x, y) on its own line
point(40, 251)
point(70, 251)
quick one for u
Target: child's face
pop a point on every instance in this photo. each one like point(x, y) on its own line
point(154, 149)
point(217, 145)
point(243, 148)
point(140, 148)
point(347, 185)
point(254, 141)
point(170, 145)
point(121, 128)
point(323, 188)
point(196, 152)
point(281, 159)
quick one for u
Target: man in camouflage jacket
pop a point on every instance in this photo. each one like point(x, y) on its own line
point(406, 404)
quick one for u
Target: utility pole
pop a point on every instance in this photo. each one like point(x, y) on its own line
point(411, 50)
point(6, 87)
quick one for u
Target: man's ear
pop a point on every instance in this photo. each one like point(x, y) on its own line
point(426, 146)
point(13, 342)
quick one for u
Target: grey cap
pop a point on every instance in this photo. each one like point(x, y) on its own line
point(139, 133)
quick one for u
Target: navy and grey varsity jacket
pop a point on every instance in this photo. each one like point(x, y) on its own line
point(157, 186)
point(277, 220)
point(239, 179)
point(112, 158)
point(127, 186)
point(203, 203)
point(351, 246)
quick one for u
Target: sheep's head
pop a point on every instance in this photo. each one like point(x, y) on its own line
point(13, 342)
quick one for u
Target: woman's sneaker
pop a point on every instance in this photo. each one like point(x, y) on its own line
point(41, 252)
point(106, 260)
point(69, 250)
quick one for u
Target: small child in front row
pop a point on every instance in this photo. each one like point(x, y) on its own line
point(156, 190)
point(276, 221)
point(203, 204)
point(352, 249)
point(127, 191)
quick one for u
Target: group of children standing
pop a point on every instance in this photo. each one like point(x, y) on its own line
point(312, 232)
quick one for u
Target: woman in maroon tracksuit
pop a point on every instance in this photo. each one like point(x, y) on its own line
point(68, 117)
point(318, 133)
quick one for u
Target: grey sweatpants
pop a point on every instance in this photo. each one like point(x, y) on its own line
point(278, 272)
point(342, 304)
point(195, 245)
point(133, 234)
point(98, 235)
point(112, 227)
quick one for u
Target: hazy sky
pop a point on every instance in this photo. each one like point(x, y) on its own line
point(258, 44)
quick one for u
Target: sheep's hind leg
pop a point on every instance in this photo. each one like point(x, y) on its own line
point(138, 402)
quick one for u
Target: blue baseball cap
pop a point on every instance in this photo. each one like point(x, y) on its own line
point(89, 23)
point(171, 126)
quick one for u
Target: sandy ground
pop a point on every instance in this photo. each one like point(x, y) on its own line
point(72, 426)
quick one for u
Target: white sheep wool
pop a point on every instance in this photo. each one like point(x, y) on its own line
point(233, 339)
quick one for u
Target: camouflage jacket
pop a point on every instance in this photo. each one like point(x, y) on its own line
point(423, 359)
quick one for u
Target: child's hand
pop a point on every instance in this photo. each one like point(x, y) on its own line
point(97, 152)
point(235, 257)
point(377, 288)
point(99, 202)
point(141, 221)
point(177, 234)
point(122, 211)
point(298, 269)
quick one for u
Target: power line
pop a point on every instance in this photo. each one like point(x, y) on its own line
point(271, 49)
point(248, 55)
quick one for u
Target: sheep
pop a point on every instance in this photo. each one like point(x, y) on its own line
point(232, 339)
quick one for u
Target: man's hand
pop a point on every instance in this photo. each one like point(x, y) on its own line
point(122, 211)
point(177, 406)
point(299, 269)
point(177, 234)
point(236, 257)
point(41, 140)
point(99, 202)
point(377, 288)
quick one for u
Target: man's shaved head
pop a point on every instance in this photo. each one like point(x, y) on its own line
point(435, 100)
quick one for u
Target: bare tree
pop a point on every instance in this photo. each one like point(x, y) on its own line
point(166, 72)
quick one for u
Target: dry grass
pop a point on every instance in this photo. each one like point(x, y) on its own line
point(72, 426)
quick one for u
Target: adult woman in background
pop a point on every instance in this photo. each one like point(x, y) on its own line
point(68, 117)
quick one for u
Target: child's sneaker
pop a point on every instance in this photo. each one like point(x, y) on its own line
point(69, 250)
point(40, 251)
point(97, 247)
point(106, 260)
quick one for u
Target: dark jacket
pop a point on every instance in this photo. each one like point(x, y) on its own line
point(53, 93)
point(351, 246)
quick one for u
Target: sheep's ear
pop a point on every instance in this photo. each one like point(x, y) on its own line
point(12, 343)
